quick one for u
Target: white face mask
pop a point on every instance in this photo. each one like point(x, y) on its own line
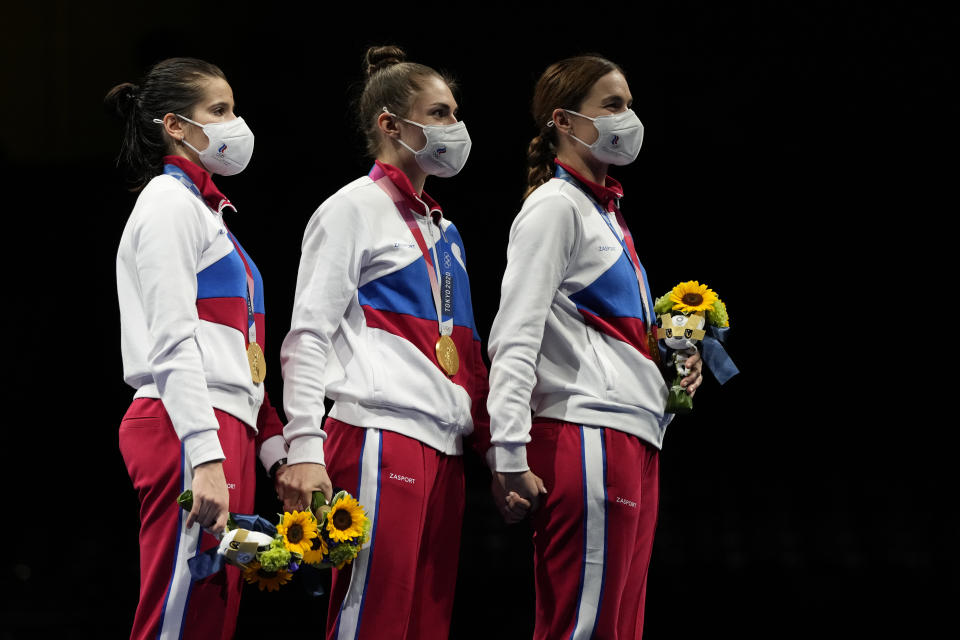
point(621, 135)
point(446, 149)
point(230, 148)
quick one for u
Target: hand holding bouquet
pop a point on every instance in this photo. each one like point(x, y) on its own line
point(685, 316)
point(327, 535)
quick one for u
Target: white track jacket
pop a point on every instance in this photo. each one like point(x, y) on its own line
point(364, 325)
point(569, 340)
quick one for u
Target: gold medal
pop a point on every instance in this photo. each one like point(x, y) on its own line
point(258, 364)
point(447, 355)
point(653, 346)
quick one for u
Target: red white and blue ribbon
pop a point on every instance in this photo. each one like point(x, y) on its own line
point(251, 288)
point(626, 242)
point(180, 175)
point(442, 293)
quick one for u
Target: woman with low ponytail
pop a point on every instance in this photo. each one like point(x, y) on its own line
point(540, 155)
point(383, 325)
point(572, 341)
point(192, 338)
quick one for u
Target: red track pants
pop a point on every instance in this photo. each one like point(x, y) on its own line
point(171, 605)
point(593, 536)
point(402, 583)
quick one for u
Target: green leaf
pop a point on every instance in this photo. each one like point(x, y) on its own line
point(317, 502)
point(185, 500)
point(679, 401)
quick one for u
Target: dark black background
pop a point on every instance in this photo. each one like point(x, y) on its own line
point(790, 153)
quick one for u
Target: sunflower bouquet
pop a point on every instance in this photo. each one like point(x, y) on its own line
point(343, 528)
point(326, 535)
point(688, 314)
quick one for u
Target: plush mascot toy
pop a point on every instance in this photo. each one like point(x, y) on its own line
point(688, 315)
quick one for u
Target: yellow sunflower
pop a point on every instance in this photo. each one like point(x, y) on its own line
point(298, 530)
point(346, 519)
point(269, 580)
point(691, 296)
point(317, 551)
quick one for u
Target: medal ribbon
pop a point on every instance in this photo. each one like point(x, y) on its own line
point(626, 242)
point(251, 321)
point(177, 173)
point(442, 302)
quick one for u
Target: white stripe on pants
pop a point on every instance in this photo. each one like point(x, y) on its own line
point(178, 591)
point(595, 531)
point(348, 627)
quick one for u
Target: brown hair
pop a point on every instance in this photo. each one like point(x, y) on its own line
point(392, 82)
point(174, 85)
point(564, 85)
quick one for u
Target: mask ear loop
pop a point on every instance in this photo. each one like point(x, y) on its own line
point(577, 113)
point(196, 124)
point(551, 123)
point(416, 124)
point(404, 144)
point(159, 121)
point(593, 120)
point(183, 140)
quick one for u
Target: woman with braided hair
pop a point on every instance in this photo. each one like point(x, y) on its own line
point(383, 325)
point(192, 337)
point(572, 341)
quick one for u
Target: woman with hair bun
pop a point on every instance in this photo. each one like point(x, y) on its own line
point(383, 325)
point(572, 341)
point(192, 340)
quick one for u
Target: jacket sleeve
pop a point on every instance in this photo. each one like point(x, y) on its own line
point(479, 440)
point(270, 440)
point(168, 240)
point(543, 240)
point(329, 276)
point(477, 385)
